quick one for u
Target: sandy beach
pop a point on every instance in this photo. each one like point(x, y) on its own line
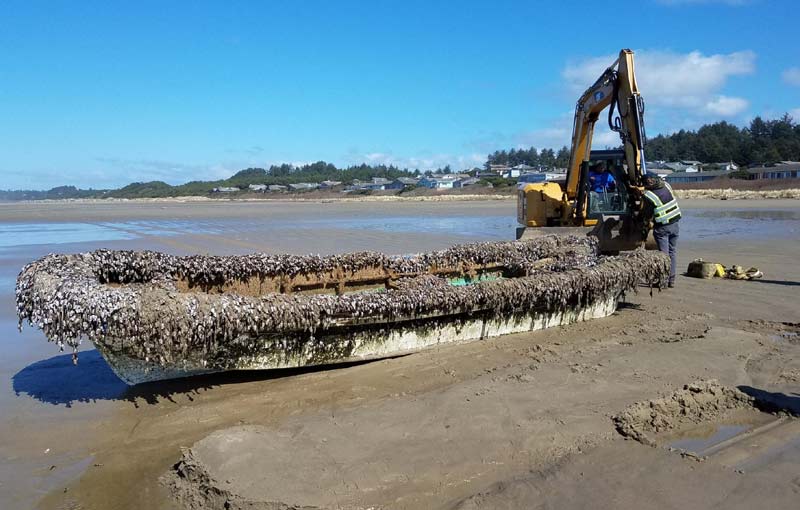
point(519, 421)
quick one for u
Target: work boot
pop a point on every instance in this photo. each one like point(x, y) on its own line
point(671, 285)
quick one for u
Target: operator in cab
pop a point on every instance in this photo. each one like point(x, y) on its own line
point(662, 207)
point(600, 179)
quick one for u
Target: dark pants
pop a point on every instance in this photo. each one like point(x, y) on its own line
point(667, 239)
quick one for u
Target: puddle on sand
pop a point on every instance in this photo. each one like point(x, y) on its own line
point(701, 438)
point(701, 442)
point(790, 337)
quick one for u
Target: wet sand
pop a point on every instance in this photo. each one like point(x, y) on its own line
point(492, 424)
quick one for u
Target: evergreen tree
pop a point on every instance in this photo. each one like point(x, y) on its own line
point(562, 158)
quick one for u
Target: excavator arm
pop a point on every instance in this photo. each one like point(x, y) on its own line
point(615, 88)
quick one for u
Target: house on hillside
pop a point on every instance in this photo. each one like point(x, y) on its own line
point(783, 170)
point(258, 188)
point(329, 184)
point(402, 183)
point(464, 182)
point(356, 185)
point(225, 189)
point(683, 166)
point(273, 188)
point(377, 184)
point(438, 181)
point(659, 168)
point(498, 169)
point(303, 186)
point(694, 177)
point(486, 174)
point(729, 166)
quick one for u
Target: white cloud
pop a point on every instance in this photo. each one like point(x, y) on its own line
point(605, 138)
point(547, 138)
point(422, 162)
point(795, 113)
point(561, 135)
point(142, 170)
point(725, 106)
point(791, 76)
point(680, 80)
point(682, 90)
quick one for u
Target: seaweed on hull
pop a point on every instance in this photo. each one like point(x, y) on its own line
point(163, 308)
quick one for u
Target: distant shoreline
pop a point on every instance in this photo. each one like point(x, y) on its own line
point(283, 198)
point(701, 194)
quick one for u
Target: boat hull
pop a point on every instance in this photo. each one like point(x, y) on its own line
point(365, 344)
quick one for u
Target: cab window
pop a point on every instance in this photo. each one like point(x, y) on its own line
point(606, 193)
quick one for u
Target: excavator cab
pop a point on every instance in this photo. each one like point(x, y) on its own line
point(607, 200)
point(606, 190)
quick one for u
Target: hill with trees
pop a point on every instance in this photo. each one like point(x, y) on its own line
point(762, 142)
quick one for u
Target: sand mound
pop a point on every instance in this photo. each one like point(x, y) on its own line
point(696, 402)
point(195, 489)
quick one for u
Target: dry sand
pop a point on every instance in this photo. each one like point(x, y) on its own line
point(522, 421)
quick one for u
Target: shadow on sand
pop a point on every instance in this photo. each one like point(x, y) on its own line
point(57, 381)
point(787, 283)
point(770, 401)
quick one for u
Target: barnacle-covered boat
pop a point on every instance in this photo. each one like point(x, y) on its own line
point(157, 316)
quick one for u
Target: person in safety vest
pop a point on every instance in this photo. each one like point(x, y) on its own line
point(664, 210)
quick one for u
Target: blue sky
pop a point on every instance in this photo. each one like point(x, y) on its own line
point(105, 93)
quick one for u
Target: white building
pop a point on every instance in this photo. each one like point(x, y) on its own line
point(438, 182)
point(329, 184)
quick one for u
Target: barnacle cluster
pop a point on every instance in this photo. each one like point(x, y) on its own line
point(162, 308)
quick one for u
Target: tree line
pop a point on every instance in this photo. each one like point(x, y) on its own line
point(547, 158)
point(762, 142)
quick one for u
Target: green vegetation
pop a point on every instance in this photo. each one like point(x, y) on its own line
point(531, 157)
point(498, 182)
point(276, 174)
point(152, 189)
point(762, 142)
point(57, 193)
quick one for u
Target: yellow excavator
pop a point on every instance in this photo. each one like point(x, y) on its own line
point(612, 212)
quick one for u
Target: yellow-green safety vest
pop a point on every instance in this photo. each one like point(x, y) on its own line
point(664, 213)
